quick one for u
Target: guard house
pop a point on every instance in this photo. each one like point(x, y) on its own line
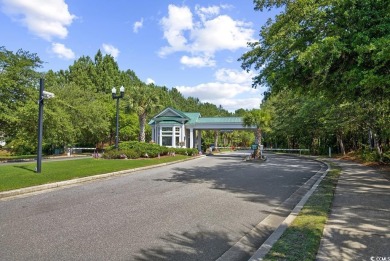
point(174, 128)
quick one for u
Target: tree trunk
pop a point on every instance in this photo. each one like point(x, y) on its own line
point(378, 147)
point(258, 142)
point(216, 139)
point(370, 139)
point(341, 143)
point(142, 124)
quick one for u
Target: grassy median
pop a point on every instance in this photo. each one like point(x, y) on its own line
point(301, 239)
point(14, 176)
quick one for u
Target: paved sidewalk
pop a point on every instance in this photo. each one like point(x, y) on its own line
point(359, 224)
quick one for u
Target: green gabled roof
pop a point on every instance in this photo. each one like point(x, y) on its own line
point(168, 119)
point(220, 120)
point(193, 116)
point(183, 114)
point(177, 117)
point(170, 122)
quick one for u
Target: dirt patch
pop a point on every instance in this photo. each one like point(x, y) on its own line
point(382, 168)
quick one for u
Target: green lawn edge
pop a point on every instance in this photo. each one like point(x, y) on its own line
point(301, 240)
point(23, 175)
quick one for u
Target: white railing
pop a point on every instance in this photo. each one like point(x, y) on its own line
point(75, 150)
point(287, 150)
point(268, 149)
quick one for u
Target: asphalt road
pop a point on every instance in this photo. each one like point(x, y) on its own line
point(194, 210)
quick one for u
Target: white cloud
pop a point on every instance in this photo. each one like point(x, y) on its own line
point(214, 90)
point(179, 19)
point(204, 34)
point(221, 33)
point(46, 19)
point(231, 89)
point(234, 76)
point(150, 81)
point(207, 12)
point(235, 104)
point(62, 51)
point(138, 25)
point(197, 61)
point(110, 49)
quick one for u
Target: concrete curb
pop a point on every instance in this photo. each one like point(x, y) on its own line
point(274, 237)
point(66, 183)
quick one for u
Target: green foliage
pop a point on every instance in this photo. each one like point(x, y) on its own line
point(307, 47)
point(260, 118)
point(185, 151)
point(144, 100)
point(134, 149)
point(121, 154)
point(327, 67)
point(18, 82)
point(82, 111)
point(150, 149)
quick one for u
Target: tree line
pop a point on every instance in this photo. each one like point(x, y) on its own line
point(83, 112)
point(327, 66)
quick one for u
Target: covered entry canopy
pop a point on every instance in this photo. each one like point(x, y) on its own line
point(174, 128)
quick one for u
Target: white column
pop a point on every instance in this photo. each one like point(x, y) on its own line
point(191, 138)
point(183, 134)
point(199, 140)
point(160, 136)
point(153, 133)
point(174, 136)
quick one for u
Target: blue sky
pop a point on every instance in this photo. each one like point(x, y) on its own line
point(190, 45)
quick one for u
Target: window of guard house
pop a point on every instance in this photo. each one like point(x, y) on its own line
point(177, 136)
point(166, 136)
point(166, 130)
point(167, 141)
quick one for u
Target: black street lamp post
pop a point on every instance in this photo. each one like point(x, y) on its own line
point(117, 97)
point(42, 95)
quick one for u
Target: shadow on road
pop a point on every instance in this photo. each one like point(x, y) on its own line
point(358, 226)
point(270, 182)
point(187, 246)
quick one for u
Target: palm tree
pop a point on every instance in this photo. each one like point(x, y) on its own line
point(261, 119)
point(145, 100)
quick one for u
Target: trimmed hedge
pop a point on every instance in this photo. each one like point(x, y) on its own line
point(135, 149)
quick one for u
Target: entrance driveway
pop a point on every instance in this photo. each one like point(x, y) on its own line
point(193, 210)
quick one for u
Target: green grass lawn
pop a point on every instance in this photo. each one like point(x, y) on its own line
point(301, 239)
point(14, 176)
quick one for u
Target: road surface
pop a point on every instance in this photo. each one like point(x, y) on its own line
point(193, 210)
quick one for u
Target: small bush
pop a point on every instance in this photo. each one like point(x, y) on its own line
point(186, 151)
point(112, 154)
point(386, 157)
point(370, 156)
point(134, 150)
point(131, 153)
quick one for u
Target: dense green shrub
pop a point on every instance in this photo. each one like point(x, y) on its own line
point(134, 149)
point(131, 153)
point(186, 151)
point(386, 157)
point(112, 154)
